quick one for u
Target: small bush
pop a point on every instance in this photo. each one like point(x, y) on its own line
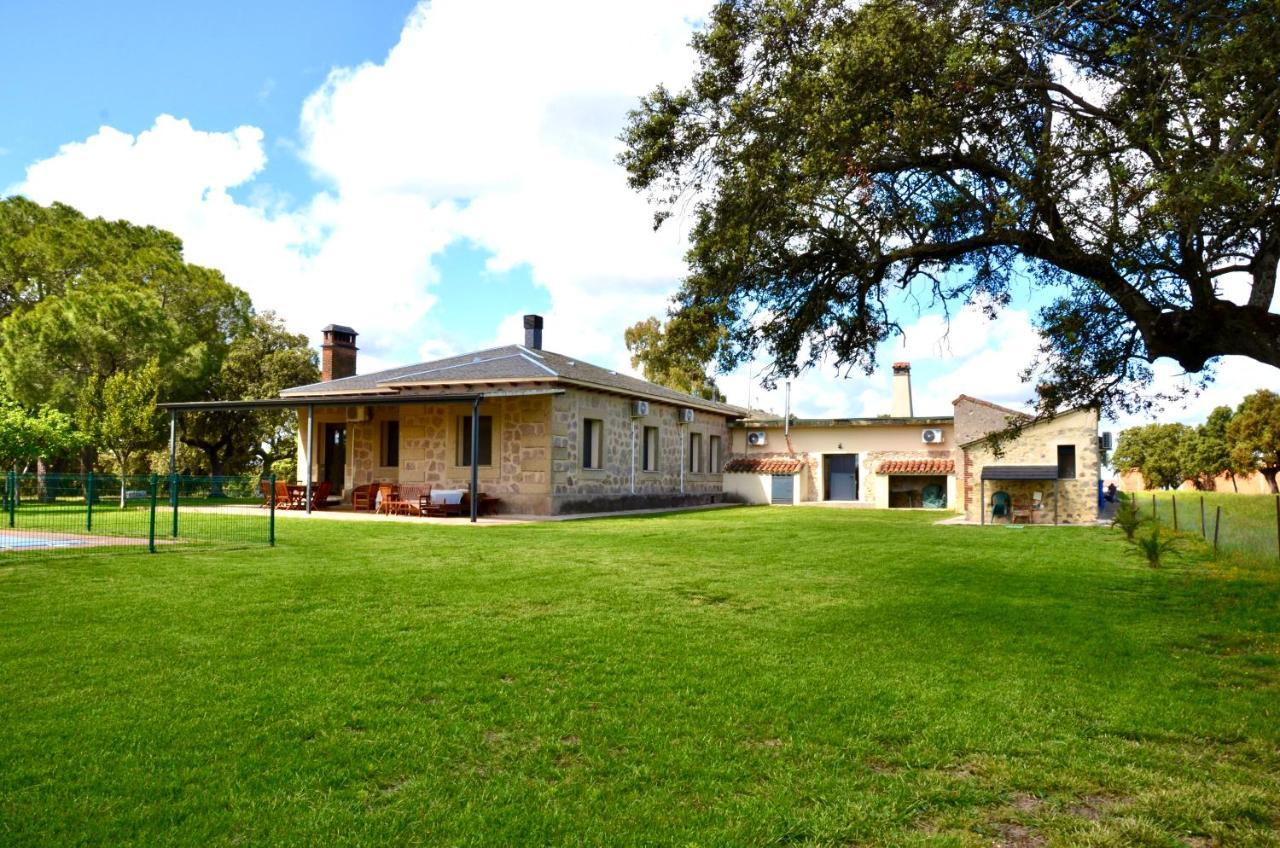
point(1127, 518)
point(1154, 548)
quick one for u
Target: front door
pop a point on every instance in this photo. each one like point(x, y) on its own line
point(335, 456)
point(842, 477)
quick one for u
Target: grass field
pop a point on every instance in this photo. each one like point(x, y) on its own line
point(738, 677)
point(1248, 521)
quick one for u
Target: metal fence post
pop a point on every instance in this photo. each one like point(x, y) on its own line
point(88, 502)
point(13, 495)
point(1204, 528)
point(1217, 525)
point(173, 499)
point(151, 533)
point(1155, 516)
point(271, 521)
point(1173, 501)
point(1278, 525)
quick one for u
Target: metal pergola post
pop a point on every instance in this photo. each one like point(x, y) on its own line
point(475, 459)
point(1055, 502)
point(983, 502)
point(173, 441)
point(311, 433)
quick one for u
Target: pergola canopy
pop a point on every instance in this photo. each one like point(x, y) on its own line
point(1020, 472)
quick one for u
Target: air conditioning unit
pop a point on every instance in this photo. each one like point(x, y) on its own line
point(639, 408)
point(1104, 442)
point(359, 414)
point(757, 438)
point(686, 415)
point(931, 437)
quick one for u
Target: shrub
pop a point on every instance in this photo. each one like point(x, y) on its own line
point(1127, 518)
point(1153, 547)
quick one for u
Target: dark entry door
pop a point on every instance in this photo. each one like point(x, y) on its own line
point(842, 477)
point(335, 455)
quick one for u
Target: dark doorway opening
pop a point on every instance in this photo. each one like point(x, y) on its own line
point(335, 456)
point(842, 477)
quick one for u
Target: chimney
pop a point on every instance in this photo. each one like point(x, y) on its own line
point(533, 332)
point(338, 353)
point(901, 407)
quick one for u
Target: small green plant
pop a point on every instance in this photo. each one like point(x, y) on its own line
point(1154, 548)
point(1127, 518)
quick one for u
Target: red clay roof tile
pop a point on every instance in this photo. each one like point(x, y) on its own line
point(917, 466)
point(764, 465)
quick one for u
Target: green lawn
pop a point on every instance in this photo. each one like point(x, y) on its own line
point(736, 677)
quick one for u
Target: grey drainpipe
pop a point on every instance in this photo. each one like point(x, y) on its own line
point(311, 441)
point(633, 457)
point(475, 458)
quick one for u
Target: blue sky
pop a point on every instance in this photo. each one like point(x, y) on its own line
point(425, 174)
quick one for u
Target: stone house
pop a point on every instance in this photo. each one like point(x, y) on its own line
point(904, 460)
point(548, 434)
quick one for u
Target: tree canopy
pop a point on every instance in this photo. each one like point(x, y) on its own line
point(1124, 158)
point(1254, 435)
point(1156, 451)
point(670, 358)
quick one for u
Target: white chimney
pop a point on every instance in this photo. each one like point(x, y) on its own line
point(901, 407)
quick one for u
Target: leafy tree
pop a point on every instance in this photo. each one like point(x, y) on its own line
point(120, 413)
point(28, 436)
point(670, 357)
point(263, 359)
point(1156, 451)
point(1254, 435)
point(84, 299)
point(1206, 454)
point(1123, 157)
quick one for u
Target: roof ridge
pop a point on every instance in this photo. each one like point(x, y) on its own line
point(988, 403)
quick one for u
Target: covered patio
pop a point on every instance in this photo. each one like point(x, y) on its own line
point(1024, 481)
point(336, 413)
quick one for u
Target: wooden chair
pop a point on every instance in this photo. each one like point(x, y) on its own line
point(283, 499)
point(386, 494)
point(320, 495)
point(1020, 511)
point(364, 497)
point(424, 500)
point(264, 486)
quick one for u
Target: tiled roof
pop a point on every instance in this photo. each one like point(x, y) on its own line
point(917, 466)
point(764, 465)
point(512, 363)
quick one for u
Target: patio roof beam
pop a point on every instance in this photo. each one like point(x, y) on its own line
point(314, 400)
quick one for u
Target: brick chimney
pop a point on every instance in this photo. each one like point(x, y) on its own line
point(901, 405)
point(338, 353)
point(533, 332)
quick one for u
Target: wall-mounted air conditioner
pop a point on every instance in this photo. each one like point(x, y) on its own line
point(757, 438)
point(686, 415)
point(639, 408)
point(359, 414)
point(931, 437)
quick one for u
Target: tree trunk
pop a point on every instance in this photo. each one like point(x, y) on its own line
point(1269, 473)
point(215, 483)
point(1234, 487)
point(42, 482)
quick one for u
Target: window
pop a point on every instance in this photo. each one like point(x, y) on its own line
point(1066, 462)
point(592, 443)
point(485, 456)
point(713, 454)
point(650, 449)
point(695, 453)
point(389, 453)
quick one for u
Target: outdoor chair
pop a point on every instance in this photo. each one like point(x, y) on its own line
point(284, 500)
point(363, 497)
point(1021, 511)
point(424, 500)
point(320, 495)
point(264, 486)
point(386, 494)
point(1001, 505)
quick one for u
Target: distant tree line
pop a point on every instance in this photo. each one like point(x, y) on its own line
point(100, 320)
point(1232, 442)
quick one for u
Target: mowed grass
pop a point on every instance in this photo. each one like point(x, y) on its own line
point(735, 677)
point(1249, 525)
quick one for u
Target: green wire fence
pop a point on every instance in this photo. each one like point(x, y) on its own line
point(45, 513)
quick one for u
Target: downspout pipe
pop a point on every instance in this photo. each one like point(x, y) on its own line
point(311, 440)
point(475, 458)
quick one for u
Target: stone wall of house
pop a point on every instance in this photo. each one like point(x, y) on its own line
point(1038, 445)
point(520, 471)
point(623, 450)
point(976, 418)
